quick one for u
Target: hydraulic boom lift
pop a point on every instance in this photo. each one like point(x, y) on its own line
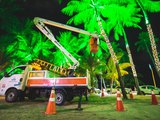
point(40, 23)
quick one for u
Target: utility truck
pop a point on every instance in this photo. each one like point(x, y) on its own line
point(24, 81)
point(32, 81)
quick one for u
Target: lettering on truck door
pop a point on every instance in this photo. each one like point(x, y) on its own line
point(11, 79)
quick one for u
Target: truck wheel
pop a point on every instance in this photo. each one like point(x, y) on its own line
point(11, 95)
point(60, 97)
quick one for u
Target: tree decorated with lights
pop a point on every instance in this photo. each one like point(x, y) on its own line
point(151, 6)
point(119, 17)
point(88, 12)
point(144, 44)
point(146, 6)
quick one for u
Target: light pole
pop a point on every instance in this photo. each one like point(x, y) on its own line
point(152, 75)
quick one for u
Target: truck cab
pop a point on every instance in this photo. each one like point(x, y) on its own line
point(11, 83)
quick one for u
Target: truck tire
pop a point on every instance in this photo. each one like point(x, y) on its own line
point(11, 95)
point(60, 97)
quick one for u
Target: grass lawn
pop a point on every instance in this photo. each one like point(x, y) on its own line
point(96, 108)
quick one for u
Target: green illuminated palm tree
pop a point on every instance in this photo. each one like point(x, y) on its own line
point(144, 44)
point(27, 44)
point(8, 19)
point(83, 12)
point(88, 12)
point(118, 18)
point(70, 43)
point(96, 65)
point(147, 6)
point(79, 48)
point(151, 6)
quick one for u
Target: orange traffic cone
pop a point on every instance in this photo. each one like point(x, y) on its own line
point(154, 99)
point(51, 107)
point(131, 94)
point(119, 103)
point(102, 95)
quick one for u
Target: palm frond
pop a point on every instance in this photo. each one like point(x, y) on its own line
point(151, 5)
point(124, 65)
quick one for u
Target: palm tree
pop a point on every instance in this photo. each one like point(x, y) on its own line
point(144, 43)
point(93, 64)
point(88, 12)
point(70, 43)
point(27, 44)
point(8, 19)
point(79, 48)
point(111, 72)
point(118, 18)
point(151, 6)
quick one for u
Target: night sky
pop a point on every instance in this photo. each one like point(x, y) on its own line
point(50, 9)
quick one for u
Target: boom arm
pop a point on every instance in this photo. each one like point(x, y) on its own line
point(40, 23)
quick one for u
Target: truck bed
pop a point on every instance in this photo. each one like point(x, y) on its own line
point(50, 82)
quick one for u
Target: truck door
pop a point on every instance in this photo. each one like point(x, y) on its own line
point(11, 79)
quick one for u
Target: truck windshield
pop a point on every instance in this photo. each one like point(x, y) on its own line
point(17, 70)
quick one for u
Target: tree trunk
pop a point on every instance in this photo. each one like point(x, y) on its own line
point(121, 82)
point(148, 51)
point(154, 49)
point(113, 57)
point(132, 64)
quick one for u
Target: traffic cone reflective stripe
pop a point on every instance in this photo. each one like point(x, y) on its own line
point(51, 107)
point(52, 96)
point(52, 99)
point(119, 99)
point(154, 99)
point(119, 103)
